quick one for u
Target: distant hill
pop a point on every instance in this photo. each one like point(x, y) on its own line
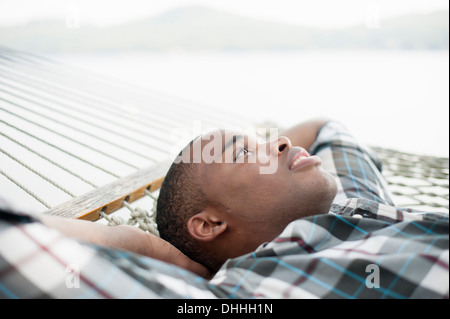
point(201, 28)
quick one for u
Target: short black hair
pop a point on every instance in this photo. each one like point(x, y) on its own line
point(180, 198)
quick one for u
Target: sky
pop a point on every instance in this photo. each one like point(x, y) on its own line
point(317, 13)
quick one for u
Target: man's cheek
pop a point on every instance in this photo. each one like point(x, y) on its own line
point(269, 169)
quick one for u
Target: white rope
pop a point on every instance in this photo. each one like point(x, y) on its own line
point(71, 117)
point(142, 218)
point(58, 133)
point(113, 220)
point(155, 200)
point(49, 160)
point(25, 189)
point(65, 190)
point(138, 217)
point(60, 149)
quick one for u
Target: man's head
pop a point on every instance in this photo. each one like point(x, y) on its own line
point(215, 203)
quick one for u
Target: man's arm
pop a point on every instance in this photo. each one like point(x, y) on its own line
point(124, 237)
point(304, 134)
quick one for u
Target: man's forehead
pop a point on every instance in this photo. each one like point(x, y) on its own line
point(227, 134)
point(217, 136)
point(217, 139)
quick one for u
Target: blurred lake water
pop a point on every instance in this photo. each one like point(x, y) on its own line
point(394, 99)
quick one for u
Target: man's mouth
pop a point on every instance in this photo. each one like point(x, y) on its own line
point(300, 158)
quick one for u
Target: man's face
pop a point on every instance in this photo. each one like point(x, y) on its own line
point(261, 185)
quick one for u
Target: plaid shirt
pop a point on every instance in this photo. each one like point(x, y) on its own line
point(364, 248)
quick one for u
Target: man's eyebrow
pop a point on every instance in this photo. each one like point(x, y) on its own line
point(232, 141)
point(263, 137)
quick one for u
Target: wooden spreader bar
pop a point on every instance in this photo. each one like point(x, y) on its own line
point(110, 198)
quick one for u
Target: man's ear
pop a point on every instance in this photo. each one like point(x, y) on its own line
point(205, 226)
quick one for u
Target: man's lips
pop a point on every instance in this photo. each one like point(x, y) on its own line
point(299, 158)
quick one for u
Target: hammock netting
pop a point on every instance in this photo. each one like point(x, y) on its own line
point(415, 180)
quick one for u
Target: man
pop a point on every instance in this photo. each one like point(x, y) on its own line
point(206, 206)
point(321, 224)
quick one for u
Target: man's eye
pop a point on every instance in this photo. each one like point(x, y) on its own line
point(242, 152)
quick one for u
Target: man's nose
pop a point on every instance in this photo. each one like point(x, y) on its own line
point(281, 144)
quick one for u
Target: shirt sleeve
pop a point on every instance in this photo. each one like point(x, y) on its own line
point(38, 262)
point(356, 168)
